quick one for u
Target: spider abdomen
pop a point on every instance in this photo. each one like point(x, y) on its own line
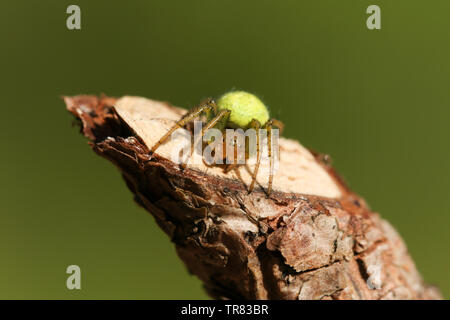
point(244, 108)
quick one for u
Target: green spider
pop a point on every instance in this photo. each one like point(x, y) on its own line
point(233, 110)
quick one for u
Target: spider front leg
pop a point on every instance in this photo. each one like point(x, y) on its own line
point(207, 106)
point(218, 121)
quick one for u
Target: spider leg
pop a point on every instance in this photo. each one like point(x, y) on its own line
point(207, 106)
point(278, 124)
point(268, 127)
point(219, 120)
point(255, 124)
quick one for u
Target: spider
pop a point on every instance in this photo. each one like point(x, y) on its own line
point(233, 110)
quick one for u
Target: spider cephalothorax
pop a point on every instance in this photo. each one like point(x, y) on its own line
point(235, 110)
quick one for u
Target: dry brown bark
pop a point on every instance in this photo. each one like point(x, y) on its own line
point(315, 238)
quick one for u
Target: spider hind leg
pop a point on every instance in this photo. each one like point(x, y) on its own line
point(256, 125)
point(269, 127)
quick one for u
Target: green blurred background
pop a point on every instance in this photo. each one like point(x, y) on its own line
point(377, 101)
